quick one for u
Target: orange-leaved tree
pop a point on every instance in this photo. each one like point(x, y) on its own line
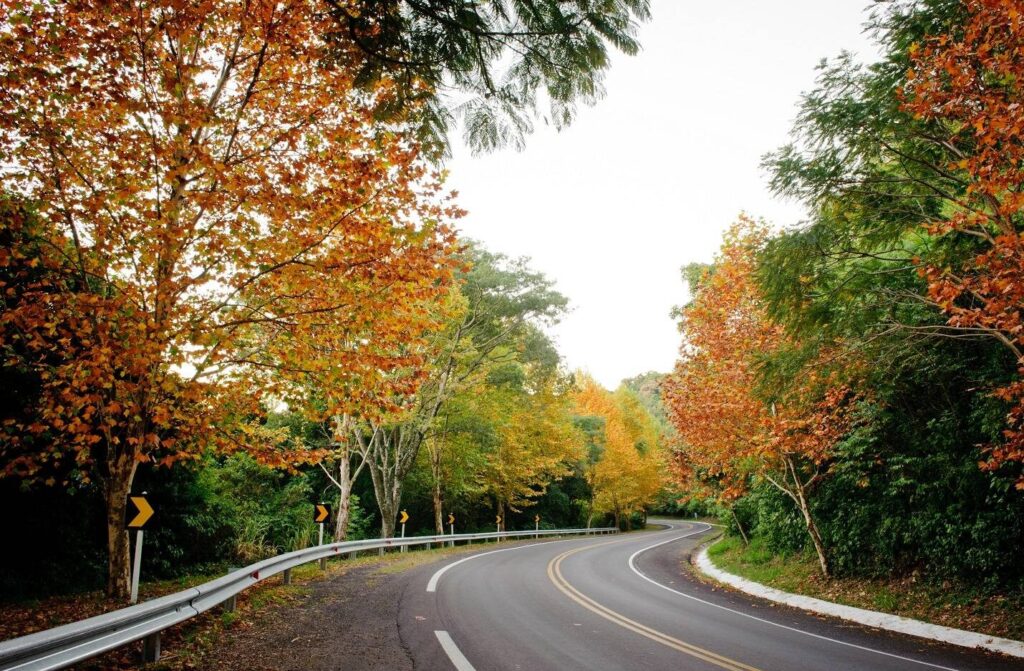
point(220, 217)
point(970, 85)
point(729, 435)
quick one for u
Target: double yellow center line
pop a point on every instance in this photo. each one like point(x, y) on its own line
point(555, 574)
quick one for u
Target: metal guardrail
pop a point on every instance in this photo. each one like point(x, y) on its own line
point(64, 645)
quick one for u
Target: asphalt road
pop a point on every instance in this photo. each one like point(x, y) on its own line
point(623, 602)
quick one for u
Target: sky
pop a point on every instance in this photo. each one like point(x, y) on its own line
point(646, 181)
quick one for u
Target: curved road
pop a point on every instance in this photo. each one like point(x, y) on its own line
point(623, 602)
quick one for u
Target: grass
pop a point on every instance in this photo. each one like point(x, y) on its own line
point(947, 603)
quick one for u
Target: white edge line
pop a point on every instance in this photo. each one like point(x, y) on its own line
point(871, 618)
point(632, 565)
point(459, 660)
point(432, 584)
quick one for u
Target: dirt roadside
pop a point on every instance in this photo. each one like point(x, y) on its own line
point(345, 621)
point(343, 618)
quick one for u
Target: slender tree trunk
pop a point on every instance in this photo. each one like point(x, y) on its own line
point(344, 497)
point(800, 491)
point(438, 510)
point(819, 546)
point(346, 477)
point(435, 472)
point(739, 525)
point(436, 448)
point(118, 486)
point(618, 523)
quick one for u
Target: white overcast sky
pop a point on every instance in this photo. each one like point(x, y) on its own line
point(645, 181)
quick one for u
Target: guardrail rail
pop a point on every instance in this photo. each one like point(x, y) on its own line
point(62, 646)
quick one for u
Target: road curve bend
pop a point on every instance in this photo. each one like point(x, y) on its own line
point(624, 602)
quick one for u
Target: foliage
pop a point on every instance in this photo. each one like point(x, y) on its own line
point(494, 317)
point(968, 83)
point(215, 203)
point(503, 59)
point(733, 431)
point(900, 294)
point(626, 473)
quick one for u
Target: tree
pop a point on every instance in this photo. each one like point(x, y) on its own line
point(629, 473)
point(533, 441)
point(502, 59)
point(499, 302)
point(967, 83)
point(731, 429)
point(211, 185)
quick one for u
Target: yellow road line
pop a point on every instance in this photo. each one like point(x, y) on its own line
point(556, 577)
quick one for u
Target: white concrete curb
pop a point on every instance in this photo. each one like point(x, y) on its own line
point(871, 618)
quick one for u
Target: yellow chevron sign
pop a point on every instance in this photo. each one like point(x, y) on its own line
point(536, 518)
point(320, 513)
point(404, 518)
point(497, 519)
point(145, 511)
point(451, 518)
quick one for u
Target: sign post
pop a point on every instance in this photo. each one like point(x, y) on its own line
point(143, 512)
point(536, 525)
point(403, 519)
point(497, 522)
point(321, 512)
point(451, 526)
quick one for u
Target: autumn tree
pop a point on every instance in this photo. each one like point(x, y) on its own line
point(731, 430)
point(218, 199)
point(967, 85)
point(629, 471)
point(533, 441)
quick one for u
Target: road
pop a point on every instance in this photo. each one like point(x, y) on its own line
point(623, 602)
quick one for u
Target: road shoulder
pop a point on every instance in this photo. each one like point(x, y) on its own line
point(870, 618)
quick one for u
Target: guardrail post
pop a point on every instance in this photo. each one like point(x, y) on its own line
point(151, 648)
point(230, 603)
point(287, 577)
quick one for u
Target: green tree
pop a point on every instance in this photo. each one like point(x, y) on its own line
point(498, 307)
point(503, 59)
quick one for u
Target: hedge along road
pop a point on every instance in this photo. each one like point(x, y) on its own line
point(583, 604)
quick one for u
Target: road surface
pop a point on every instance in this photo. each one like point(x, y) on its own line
point(623, 602)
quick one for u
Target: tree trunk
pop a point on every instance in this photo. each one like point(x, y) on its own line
point(390, 455)
point(739, 525)
point(618, 523)
point(388, 504)
point(819, 546)
point(118, 485)
point(435, 472)
point(344, 498)
point(812, 527)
